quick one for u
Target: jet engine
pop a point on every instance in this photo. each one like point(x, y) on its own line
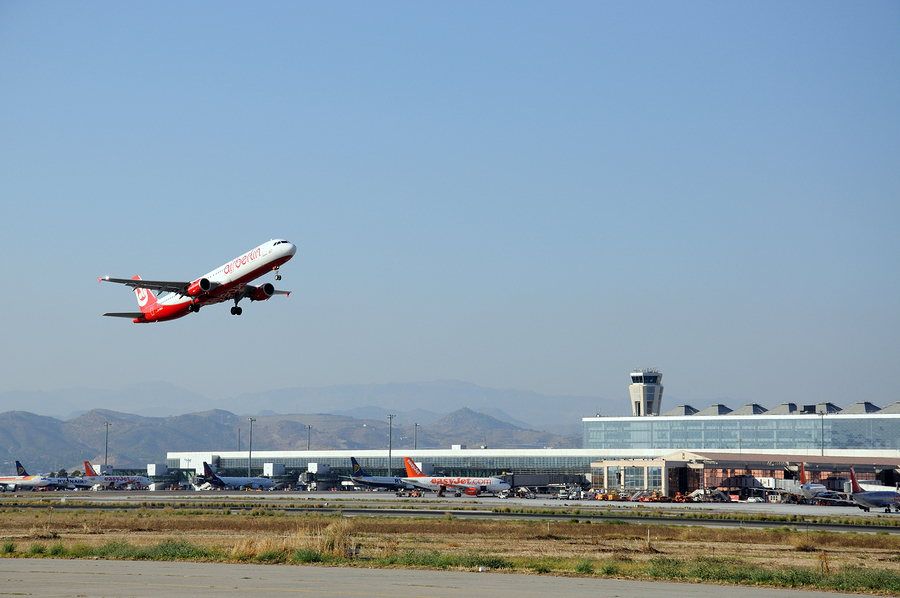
point(471, 491)
point(262, 292)
point(198, 287)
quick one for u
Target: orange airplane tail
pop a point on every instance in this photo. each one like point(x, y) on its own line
point(802, 474)
point(412, 470)
point(89, 469)
point(146, 300)
point(854, 485)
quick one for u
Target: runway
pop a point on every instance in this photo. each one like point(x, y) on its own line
point(371, 504)
point(149, 579)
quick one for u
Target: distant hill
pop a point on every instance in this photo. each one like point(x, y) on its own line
point(45, 443)
point(422, 402)
point(556, 413)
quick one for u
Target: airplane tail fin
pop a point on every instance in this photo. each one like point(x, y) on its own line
point(89, 469)
point(802, 474)
point(146, 299)
point(854, 485)
point(208, 473)
point(20, 470)
point(412, 470)
point(358, 471)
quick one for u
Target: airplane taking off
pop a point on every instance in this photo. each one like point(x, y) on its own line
point(470, 486)
point(875, 499)
point(235, 483)
point(112, 481)
point(361, 477)
point(23, 481)
point(228, 282)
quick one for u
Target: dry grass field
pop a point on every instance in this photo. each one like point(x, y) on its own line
point(825, 560)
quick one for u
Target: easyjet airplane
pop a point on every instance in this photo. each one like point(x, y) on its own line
point(228, 282)
point(471, 486)
point(113, 481)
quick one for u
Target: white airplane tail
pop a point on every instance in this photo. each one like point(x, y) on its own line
point(146, 299)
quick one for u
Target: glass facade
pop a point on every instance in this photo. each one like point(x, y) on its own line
point(745, 433)
point(654, 478)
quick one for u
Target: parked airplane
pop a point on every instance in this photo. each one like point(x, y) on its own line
point(361, 477)
point(235, 483)
point(807, 488)
point(877, 499)
point(113, 481)
point(22, 480)
point(471, 486)
point(228, 282)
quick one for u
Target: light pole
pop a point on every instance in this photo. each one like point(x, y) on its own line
point(106, 450)
point(250, 455)
point(416, 437)
point(308, 434)
point(390, 440)
point(239, 439)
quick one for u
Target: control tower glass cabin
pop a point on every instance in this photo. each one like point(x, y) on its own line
point(646, 392)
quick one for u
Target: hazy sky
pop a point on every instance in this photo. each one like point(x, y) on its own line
point(528, 195)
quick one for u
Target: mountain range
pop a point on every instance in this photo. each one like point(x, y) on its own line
point(422, 402)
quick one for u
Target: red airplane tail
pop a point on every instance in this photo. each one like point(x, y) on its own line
point(89, 469)
point(802, 474)
point(412, 470)
point(854, 485)
point(146, 299)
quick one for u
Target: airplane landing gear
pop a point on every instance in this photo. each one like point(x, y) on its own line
point(277, 275)
point(193, 308)
point(236, 311)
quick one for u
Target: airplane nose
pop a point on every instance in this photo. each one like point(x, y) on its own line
point(292, 249)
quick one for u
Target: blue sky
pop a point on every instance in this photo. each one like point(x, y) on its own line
point(516, 194)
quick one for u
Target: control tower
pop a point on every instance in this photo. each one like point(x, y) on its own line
point(646, 392)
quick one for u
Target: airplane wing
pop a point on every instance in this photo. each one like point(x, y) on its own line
point(412, 482)
point(125, 314)
point(286, 293)
point(153, 285)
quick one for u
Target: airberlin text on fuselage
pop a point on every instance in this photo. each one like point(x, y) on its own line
point(237, 262)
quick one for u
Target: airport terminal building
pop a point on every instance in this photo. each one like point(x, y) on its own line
point(786, 433)
point(819, 429)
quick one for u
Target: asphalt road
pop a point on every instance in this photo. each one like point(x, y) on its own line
point(52, 577)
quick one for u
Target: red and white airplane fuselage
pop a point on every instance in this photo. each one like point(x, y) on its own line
point(468, 485)
point(228, 282)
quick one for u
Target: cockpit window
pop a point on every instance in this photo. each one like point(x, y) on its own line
point(280, 242)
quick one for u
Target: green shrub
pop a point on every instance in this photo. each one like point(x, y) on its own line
point(8, 548)
point(306, 555)
point(665, 568)
point(57, 550)
point(609, 569)
point(586, 567)
point(277, 555)
point(177, 550)
point(36, 549)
